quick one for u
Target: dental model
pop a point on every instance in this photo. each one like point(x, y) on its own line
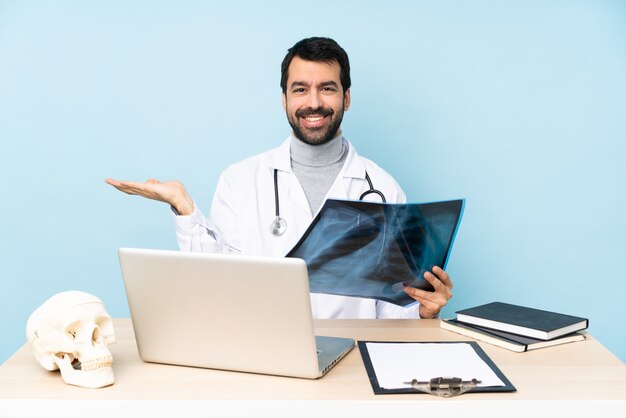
point(71, 332)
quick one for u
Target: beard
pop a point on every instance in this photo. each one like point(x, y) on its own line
point(316, 136)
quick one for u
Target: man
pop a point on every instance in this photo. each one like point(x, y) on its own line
point(290, 183)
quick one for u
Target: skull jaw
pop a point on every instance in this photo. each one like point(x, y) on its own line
point(93, 379)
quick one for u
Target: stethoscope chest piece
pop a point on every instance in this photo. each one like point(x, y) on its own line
point(278, 226)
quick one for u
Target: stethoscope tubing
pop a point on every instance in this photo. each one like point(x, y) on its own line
point(276, 203)
point(372, 190)
point(279, 225)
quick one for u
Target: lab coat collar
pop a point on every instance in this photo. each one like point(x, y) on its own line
point(281, 158)
point(352, 168)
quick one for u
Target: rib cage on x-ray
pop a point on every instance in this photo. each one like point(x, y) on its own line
point(372, 250)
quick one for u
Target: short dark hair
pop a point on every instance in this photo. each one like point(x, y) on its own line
point(317, 49)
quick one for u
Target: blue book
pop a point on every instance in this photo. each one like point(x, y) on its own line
point(521, 320)
point(513, 342)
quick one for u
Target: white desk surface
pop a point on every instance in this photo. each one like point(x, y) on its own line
point(577, 379)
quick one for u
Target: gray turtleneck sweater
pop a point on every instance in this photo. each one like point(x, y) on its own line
point(317, 167)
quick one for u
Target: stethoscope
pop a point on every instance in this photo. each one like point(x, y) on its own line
point(279, 224)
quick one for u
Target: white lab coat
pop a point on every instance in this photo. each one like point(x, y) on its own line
point(243, 209)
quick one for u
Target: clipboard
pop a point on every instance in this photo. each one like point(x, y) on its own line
point(378, 390)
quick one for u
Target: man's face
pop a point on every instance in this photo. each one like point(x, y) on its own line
point(314, 100)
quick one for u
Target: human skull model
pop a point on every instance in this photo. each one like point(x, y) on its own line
point(71, 332)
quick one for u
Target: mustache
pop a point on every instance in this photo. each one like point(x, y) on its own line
point(321, 111)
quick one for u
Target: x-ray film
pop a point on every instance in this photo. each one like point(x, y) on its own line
point(373, 250)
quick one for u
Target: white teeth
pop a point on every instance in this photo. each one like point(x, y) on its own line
point(93, 364)
point(314, 118)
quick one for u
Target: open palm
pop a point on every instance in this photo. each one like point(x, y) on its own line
point(172, 192)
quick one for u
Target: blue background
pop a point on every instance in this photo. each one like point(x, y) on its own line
point(519, 107)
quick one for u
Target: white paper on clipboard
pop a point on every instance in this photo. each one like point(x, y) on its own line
point(395, 364)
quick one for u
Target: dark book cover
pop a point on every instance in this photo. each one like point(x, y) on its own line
point(513, 342)
point(522, 320)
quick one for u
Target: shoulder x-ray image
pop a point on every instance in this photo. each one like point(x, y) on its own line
point(373, 250)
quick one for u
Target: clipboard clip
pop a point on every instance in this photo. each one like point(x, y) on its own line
point(446, 387)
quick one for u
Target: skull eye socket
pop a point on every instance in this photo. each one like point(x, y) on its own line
point(83, 331)
point(105, 329)
point(96, 337)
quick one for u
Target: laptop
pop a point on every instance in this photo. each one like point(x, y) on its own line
point(229, 312)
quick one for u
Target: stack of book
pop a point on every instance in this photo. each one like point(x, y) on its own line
point(516, 328)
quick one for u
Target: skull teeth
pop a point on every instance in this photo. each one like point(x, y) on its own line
point(96, 363)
